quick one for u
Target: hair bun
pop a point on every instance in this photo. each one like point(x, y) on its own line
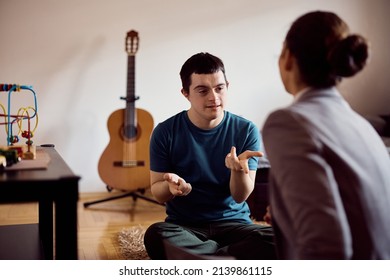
point(349, 56)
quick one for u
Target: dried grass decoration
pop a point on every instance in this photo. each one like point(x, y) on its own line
point(131, 241)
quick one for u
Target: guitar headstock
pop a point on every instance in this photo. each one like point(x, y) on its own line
point(132, 42)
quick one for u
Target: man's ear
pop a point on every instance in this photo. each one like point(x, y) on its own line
point(184, 93)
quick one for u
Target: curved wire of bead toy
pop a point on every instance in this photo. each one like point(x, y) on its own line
point(23, 114)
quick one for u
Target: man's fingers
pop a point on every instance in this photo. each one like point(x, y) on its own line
point(171, 178)
point(249, 154)
point(183, 188)
point(244, 165)
point(167, 176)
point(233, 151)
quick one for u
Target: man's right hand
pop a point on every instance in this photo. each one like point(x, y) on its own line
point(177, 185)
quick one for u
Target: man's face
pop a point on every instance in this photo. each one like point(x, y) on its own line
point(207, 94)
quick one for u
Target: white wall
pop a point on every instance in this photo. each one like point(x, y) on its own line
point(73, 53)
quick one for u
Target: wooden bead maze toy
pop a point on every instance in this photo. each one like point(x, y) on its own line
point(22, 123)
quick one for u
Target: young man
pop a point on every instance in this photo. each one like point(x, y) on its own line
point(203, 164)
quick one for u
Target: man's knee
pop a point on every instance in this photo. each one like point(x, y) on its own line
point(153, 241)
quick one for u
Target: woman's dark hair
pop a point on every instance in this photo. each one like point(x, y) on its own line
point(200, 63)
point(324, 49)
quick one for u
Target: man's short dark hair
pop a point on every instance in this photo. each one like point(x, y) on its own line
point(200, 63)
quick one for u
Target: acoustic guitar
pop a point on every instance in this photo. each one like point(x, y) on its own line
point(124, 164)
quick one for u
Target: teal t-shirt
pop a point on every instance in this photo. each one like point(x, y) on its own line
point(198, 156)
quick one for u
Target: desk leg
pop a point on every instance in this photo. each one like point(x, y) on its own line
point(66, 228)
point(46, 227)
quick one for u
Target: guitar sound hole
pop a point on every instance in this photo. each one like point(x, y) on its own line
point(130, 131)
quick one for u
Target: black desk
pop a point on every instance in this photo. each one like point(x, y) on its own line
point(258, 199)
point(56, 185)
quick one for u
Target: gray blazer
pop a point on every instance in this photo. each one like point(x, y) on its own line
point(329, 182)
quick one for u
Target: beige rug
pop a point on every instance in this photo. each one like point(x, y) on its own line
point(131, 242)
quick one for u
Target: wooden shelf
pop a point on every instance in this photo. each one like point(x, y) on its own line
point(20, 242)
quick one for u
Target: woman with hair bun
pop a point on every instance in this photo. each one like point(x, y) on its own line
point(330, 171)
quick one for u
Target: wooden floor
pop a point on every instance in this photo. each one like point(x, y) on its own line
point(98, 224)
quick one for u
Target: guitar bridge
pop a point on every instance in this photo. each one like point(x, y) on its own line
point(129, 163)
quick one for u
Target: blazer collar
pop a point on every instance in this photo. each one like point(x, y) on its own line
point(309, 93)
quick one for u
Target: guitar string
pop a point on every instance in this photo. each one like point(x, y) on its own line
point(129, 151)
point(129, 157)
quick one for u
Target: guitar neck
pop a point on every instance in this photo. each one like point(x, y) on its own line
point(131, 78)
point(130, 118)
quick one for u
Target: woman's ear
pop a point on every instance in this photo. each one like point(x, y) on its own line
point(286, 67)
point(289, 60)
point(286, 59)
point(289, 71)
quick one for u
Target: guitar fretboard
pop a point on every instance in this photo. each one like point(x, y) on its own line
point(130, 119)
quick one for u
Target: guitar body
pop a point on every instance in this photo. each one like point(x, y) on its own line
point(113, 167)
point(124, 164)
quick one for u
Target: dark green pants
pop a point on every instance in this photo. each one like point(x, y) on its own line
point(238, 240)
